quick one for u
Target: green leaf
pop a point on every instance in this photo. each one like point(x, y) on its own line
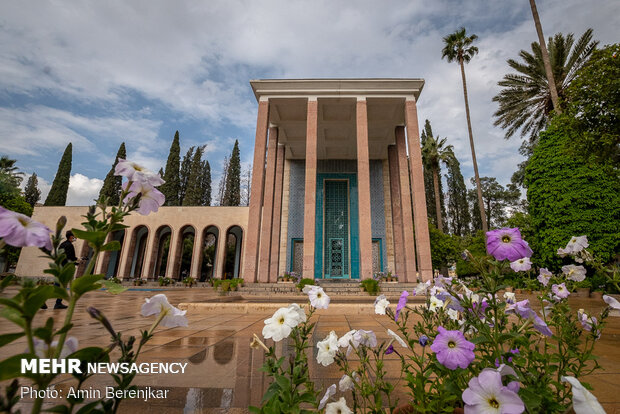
point(60, 292)
point(85, 284)
point(6, 281)
point(8, 338)
point(64, 329)
point(11, 367)
point(113, 287)
point(96, 238)
point(66, 274)
point(36, 299)
point(111, 246)
point(14, 316)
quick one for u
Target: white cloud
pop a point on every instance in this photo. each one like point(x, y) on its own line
point(83, 190)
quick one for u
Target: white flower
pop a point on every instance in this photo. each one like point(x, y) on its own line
point(43, 351)
point(545, 276)
point(301, 315)
point(173, 317)
point(280, 325)
point(435, 290)
point(510, 297)
point(137, 173)
point(318, 298)
point(397, 338)
point(453, 314)
point(575, 273)
point(345, 340)
point(421, 288)
point(583, 400)
point(327, 349)
point(346, 383)
point(522, 265)
point(381, 303)
point(576, 244)
point(150, 197)
point(328, 394)
point(563, 252)
point(366, 338)
point(338, 407)
point(308, 288)
point(434, 304)
point(611, 301)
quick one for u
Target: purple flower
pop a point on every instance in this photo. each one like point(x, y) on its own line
point(486, 393)
point(137, 173)
point(544, 276)
point(560, 291)
point(452, 349)
point(402, 302)
point(423, 340)
point(507, 243)
point(524, 310)
point(150, 198)
point(389, 350)
point(20, 230)
point(521, 265)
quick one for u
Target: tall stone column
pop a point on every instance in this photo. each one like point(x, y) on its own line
point(194, 270)
point(363, 193)
point(174, 254)
point(422, 237)
point(220, 254)
point(126, 254)
point(148, 254)
point(264, 257)
point(310, 187)
point(397, 213)
point(256, 196)
point(277, 216)
point(101, 260)
point(405, 202)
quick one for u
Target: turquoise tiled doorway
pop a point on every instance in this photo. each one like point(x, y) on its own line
point(337, 241)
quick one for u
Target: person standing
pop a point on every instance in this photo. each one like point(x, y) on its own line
point(67, 246)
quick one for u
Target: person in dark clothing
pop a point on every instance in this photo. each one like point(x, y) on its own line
point(67, 246)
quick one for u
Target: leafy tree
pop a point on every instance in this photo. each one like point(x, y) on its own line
point(497, 200)
point(458, 47)
point(434, 152)
point(58, 193)
point(458, 206)
point(32, 194)
point(112, 185)
point(444, 247)
point(232, 193)
point(194, 192)
point(10, 177)
point(525, 100)
point(594, 107)
point(171, 187)
point(184, 172)
point(205, 181)
point(571, 197)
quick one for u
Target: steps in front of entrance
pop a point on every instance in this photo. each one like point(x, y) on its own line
point(333, 288)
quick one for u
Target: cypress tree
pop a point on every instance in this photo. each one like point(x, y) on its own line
point(205, 180)
point(184, 172)
point(112, 184)
point(222, 184)
point(58, 193)
point(161, 172)
point(32, 194)
point(193, 192)
point(458, 208)
point(171, 186)
point(232, 193)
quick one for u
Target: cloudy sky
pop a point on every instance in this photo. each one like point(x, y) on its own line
point(100, 73)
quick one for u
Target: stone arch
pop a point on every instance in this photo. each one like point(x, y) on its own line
point(232, 261)
point(223, 352)
point(112, 259)
point(136, 252)
point(86, 253)
point(183, 248)
point(209, 253)
point(160, 252)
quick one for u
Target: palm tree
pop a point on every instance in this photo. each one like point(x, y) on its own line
point(433, 153)
point(546, 61)
point(525, 101)
point(9, 173)
point(458, 47)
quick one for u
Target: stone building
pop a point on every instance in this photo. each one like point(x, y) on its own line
point(355, 142)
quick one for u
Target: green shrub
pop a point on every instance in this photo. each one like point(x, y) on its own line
point(189, 281)
point(304, 282)
point(371, 286)
point(164, 281)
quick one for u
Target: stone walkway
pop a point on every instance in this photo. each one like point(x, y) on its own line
point(223, 374)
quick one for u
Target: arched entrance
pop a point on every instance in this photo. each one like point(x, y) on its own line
point(234, 239)
point(139, 240)
point(209, 253)
point(111, 259)
point(161, 251)
point(184, 247)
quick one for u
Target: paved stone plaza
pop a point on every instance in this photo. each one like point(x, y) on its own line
point(222, 374)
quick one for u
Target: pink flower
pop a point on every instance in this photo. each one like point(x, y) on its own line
point(487, 394)
point(137, 173)
point(560, 291)
point(452, 349)
point(150, 197)
point(576, 244)
point(402, 302)
point(524, 310)
point(544, 276)
point(507, 243)
point(611, 301)
point(521, 265)
point(20, 230)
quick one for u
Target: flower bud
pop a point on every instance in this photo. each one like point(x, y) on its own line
point(423, 340)
point(60, 224)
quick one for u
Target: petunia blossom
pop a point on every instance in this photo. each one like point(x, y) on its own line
point(523, 309)
point(346, 383)
point(173, 317)
point(137, 173)
point(452, 349)
point(507, 243)
point(402, 302)
point(345, 340)
point(150, 197)
point(330, 392)
point(301, 315)
point(280, 325)
point(510, 297)
point(338, 407)
point(560, 291)
point(576, 244)
point(397, 338)
point(20, 230)
point(381, 303)
point(611, 301)
point(42, 350)
point(487, 394)
point(363, 337)
point(318, 297)
point(575, 273)
point(545, 276)
point(584, 402)
point(521, 265)
point(327, 349)
point(434, 304)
